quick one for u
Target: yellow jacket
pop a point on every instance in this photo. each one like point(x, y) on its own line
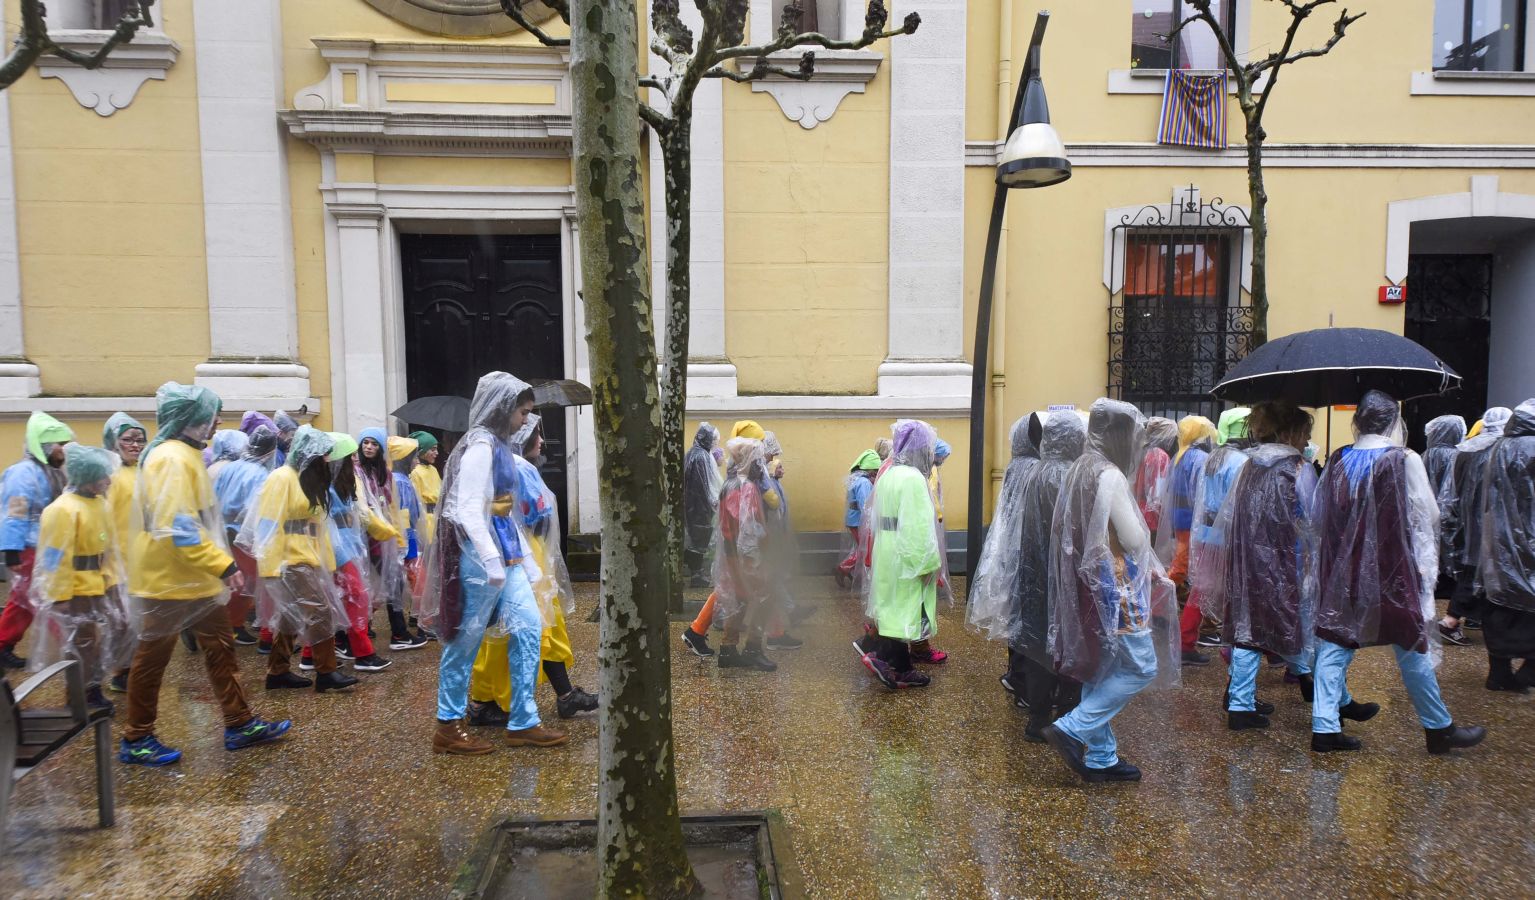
point(288, 530)
point(76, 549)
point(177, 551)
point(120, 498)
point(428, 486)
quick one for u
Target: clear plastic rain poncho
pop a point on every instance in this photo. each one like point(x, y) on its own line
point(1378, 545)
point(783, 544)
point(354, 520)
point(1260, 581)
point(992, 588)
point(907, 559)
point(1155, 466)
point(538, 512)
point(1064, 435)
point(1104, 578)
point(742, 576)
point(1207, 538)
point(1441, 436)
point(387, 582)
point(1460, 495)
point(701, 483)
point(178, 552)
point(287, 531)
point(79, 579)
point(477, 534)
point(1196, 438)
point(237, 484)
point(1506, 564)
point(228, 445)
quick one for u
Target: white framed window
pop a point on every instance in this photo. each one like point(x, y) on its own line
point(824, 16)
point(91, 15)
point(1480, 48)
point(82, 26)
point(1152, 54)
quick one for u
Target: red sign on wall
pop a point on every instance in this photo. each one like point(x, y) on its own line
point(1393, 293)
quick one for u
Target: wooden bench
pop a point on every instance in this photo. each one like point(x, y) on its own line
point(30, 736)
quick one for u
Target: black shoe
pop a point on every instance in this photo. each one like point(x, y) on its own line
point(372, 663)
point(697, 643)
point(407, 642)
point(1453, 636)
point(1241, 720)
point(753, 658)
point(343, 652)
point(1503, 679)
point(1355, 711)
point(189, 640)
point(575, 703)
point(264, 648)
point(1307, 686)
point(333, 681)
point(1071, 750)
point(1034, 735)
point(1195, 658)
point(244, 638)
point(118, 684)
point(9, 660)
point(95, 700)
point(426, 634)
point(1007, 685)
point(1022, 703)
point(488, 714)
point(1327, 742)
point(1263, 706)
point(286, 680)
point(785, 642)
point(1120, 771)
point(1208, 640)
point(1474, 624)
point(1443, 740)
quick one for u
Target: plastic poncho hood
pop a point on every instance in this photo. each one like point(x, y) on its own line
point(401, 447)
point(1445, 431)
point(524, 434)
point(345, 445)
point(748, 429)
point(1194, 431)
point(1377, 413)
point(179, 407)
point(867, 461)
point(87, 465)
point(1492, 423)
point(44, 429)
point(1116, 430)
point(253, 420)
point(262, 446)
point(1233, 425)
point(913, 443)
point(701, 483)
point(116, 426)
point(309, 444)
point(1162, 434)
point(229, 443)
point(941, 451)
point(285, 423)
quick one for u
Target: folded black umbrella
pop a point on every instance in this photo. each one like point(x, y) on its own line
point(1330, 366)
point(561, 392)
point(443, 412)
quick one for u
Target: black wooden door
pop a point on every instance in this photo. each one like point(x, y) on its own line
point(1449, 311)
point(479, 303)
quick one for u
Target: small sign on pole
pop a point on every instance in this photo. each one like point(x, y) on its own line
point(1393, 293)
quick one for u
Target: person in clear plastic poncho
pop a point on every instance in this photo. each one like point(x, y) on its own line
point(126, 437)
point(1441, 436)
point(388, 581)
point(1259, 581)
point(1377, 561)
point(1207, 538)
point(1506, 562)
point(537, 512)
point(783, 550)
point(428, 484)
point(906, 562)
point(77, 584)
point(1112, 616)
point(178, 567)
point(743, 580)
point(1155, 465)
point(354, 521)
point(235, 487)
point(859, 493)
point(481, 571)
point(1196, 438)
point(1460, 510)
point(287, 532)
point(701, 484)
point(409, 516)
point(992, 589)
point(1032, 671)
point(26, 489)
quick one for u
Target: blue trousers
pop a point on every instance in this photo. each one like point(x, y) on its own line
point(1243, 694)
point(512, 609)
point(1332, 662)
point(1133, 667)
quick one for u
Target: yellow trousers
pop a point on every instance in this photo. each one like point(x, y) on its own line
point(492, 680)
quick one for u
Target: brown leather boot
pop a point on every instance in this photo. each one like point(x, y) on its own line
point(453, 737)
point(537, 736)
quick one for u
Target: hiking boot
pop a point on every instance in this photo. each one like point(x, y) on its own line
point(1071, 750)
point(537, 736)
point(452, 737)
point(255, 732)
point(1195, 658)
point(1120, 771)
point(1329, 742)
point(1355, 711)
point(372, 663)
point(697, 643)
point(1240, 720)
point(244, 638)
point(575, 703)
point(487, 714)
point(785, 642)
point(1443, 740)
point(912, 679)
point(287, 680)
point(146, 751)
point(333, 681)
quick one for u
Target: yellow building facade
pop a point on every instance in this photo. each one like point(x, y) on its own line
point(338, 205)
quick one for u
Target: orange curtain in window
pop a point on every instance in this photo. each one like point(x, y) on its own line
point(1197, 266)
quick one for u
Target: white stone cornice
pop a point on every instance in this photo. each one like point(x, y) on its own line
point(435, 134)
point(116, 82)
point(837, 74)
point(1130, 154)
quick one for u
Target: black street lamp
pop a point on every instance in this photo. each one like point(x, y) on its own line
point(1033, 157)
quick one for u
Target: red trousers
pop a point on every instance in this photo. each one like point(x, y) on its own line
point(17, 616)
point(1189, 624)
point(359, 607)
point(241, 601)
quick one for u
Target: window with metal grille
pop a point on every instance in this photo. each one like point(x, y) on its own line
point(1180, 321)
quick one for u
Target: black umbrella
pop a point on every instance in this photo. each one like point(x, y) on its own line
point(1331, 366)
point(561, 392)
point(444, 412)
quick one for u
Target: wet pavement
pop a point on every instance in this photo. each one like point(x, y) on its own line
point(922, 793)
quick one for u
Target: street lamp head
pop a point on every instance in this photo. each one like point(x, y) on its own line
point(1034, 155)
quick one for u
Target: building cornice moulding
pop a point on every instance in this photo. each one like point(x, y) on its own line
point(17, 408)
point(1302, 156)
point(837, 74)
point(115, 84)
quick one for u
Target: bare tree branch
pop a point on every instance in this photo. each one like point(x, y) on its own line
point(874, 30)
point(33, 41)
point(513, 8)
point(762, 70)
point(655, 118)
point(667, 25)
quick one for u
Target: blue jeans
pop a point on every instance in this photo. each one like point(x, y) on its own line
point(1242, 696)
point(512, 609)
point(1132, 668)
point(1418, 677)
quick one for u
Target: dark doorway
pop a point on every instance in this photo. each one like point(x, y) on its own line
point(479, 303)
point(1449, 311)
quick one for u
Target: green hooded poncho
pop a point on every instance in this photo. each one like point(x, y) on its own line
point(119, 423)
point(1233, 425)
point(179, 407)
point(87, 465)
point(45, 429)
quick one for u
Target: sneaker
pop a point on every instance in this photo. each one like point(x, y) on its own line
point(1328, 742)
point(9, 660)
point(487, 715)
point(343, 652)
point(537, 736)
point(1208, 640)
point(333, 681)
point(913, 679)
point(1453, 636)
point(928, 656)
point(255, 732)
point(287, 680)
point(306, 664)
point(1007, 685)
point(1120, 771)
point(1195, 658)
point(426, 634)
point(785, 642)
point(372, 663)
point(697, 643)
point(452, 737)
point(1355, 711)
point(146, 751)
point(1240, 721)
point(407, 642)
point(750, 658)
point(1443, 740)
point(264, 648)
point(244, 638)
point(575, 703)
point(881, 670)
point(118, 684)
point(1473, 624)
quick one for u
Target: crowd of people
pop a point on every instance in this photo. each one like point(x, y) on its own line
point(279, 535)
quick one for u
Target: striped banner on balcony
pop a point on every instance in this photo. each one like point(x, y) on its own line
point(1193, 111)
